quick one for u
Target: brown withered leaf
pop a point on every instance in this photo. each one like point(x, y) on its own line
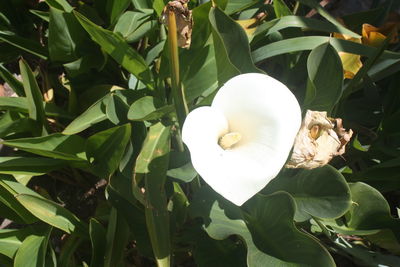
point(319, 139)
point(184, 21)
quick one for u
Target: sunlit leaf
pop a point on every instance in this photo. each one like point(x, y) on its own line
point(33, 94)
point(117, 48)
point(32, 251)
point(53, 214)
point(148, 108)
point(94, 114)
point(54, 146)
point(152, 163)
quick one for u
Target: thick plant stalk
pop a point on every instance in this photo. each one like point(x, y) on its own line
point(177, 89)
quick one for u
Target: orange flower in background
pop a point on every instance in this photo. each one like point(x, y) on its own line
point(375, 37)
point(351, 62)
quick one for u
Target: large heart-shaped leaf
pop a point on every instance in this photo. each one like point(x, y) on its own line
point(369, 213)
point(322, 192)
point(270, 222)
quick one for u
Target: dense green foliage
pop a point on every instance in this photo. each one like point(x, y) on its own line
point(93, 171)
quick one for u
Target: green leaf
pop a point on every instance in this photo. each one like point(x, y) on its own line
point(98, 241)
point(281, 9)
point(130, 25)
point(387, 240)
point(114, 9)
point(20, 104)
point(11, 240)
point(33, 94)
point(368, 214)
point(44, 15)
point(13, 82)
point(270, 222)
point(60, 4)
point(94, 114)
point(200, 74)
point(310, 42)
point(28, 45)
point(201, 26)
point(67, 147)
point(117, 238)
point(314, 4)
point(148, 108)
point(328, 199)
point(234, 6)
point(211, 252)
point(152, 163)
point(29, 166)
point(117, 110)
point(185, 173)
point(158, 6)
point(304, 23)
point(349, 87)
point(376, 15)
point(120, 196)
point(141, 4)
point(32, 251)
point(53, 214)
point(231, 46)
point(114, 45)
point(68, 250)
point(219, 226)
point(10, 126)
point(105, 149)
point(9, 188)
point(324, 65)
point(66, 36)
point(381, 176)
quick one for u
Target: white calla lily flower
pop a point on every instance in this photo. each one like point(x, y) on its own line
point(243, 139)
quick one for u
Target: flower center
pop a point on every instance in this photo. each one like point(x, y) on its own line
point(229, 140)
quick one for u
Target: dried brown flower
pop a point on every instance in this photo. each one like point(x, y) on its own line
point(320, 139)
point(184, 21)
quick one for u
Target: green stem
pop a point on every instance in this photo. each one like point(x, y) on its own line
point(179, 142)
point(177, 89)
point(296, 8)
point(323, 228)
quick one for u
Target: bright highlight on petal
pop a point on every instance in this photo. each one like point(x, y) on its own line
point(242, 141)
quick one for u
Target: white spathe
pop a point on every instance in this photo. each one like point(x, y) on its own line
point(267, 116)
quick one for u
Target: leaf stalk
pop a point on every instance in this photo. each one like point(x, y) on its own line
point(177, 88)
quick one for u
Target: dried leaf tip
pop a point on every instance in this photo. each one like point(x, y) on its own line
point(184, 20)
point(319, 139)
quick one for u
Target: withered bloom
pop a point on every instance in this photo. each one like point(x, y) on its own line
point(374, 36)
point(184, 21)
point(320, 139)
